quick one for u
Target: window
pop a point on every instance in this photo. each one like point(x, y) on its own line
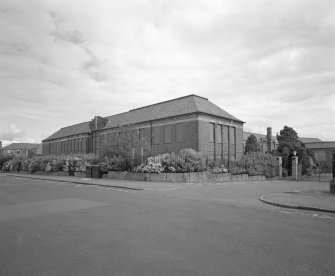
point(232, 135)
point(219, 135)
point(157, 133)
point(179, 133)
point(211, 132)
point(141, 134)
point(225, 134)
point(167, 133)
point(320, 155)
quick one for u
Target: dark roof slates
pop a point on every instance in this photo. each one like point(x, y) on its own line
point(175, 107)
point(19, 146)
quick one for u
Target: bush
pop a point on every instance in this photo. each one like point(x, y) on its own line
point(4, 159)
point(34, 166)
point(260, 164)
point(221, 169)
point(188, 160)
point(235, 169)
point(113, 164)
point(12, 165)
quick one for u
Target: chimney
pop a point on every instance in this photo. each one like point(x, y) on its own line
point(269, 139)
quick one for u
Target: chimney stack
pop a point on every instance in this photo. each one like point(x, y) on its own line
point(269, 139)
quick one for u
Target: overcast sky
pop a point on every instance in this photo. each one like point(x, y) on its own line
point(268, 63)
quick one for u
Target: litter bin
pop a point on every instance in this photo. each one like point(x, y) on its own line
point(88, 171)
point(96, 171)
point(71, 172)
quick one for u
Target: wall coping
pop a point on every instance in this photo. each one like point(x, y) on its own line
point(194, 177)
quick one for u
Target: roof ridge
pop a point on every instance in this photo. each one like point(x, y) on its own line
point(76, 124)
point(191, 95)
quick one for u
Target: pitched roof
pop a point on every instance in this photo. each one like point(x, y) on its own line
point(20, 146)
point(70, 130)
point(258, 136)
point(180, 106)
point(320, 145)
point(309, 140)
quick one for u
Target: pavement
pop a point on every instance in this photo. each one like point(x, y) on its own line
point(113, 183)
point(313, 200)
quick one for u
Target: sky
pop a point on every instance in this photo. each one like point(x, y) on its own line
point(268, 63)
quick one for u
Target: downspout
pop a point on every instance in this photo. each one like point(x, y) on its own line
point(150, 133)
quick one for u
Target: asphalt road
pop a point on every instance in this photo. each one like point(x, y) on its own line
point(50, 228)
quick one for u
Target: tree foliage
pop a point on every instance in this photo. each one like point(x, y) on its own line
point(126, 142)
point(251, 145)
point(288, 141)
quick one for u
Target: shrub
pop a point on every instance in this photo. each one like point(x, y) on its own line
point(12, 165)
point(188, 160)
point(113, 164)
point(234, 170)
point(257, 163)
point(4, 159)
point(56, 165)
point(221, 169)
point(34, 166)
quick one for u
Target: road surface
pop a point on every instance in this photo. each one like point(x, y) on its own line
point(50, 228)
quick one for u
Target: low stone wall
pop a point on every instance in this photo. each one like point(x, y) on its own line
point(198, 177)
point(193, 177)
point(80, 174)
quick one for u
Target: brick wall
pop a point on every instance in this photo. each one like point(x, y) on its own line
point(228, 138)
point(67, 145)
point(325, 158)
point(166, 135)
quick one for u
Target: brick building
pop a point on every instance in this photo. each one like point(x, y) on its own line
point(19, 149)
point(323, 152)
point(187, 122)
point(267, 142)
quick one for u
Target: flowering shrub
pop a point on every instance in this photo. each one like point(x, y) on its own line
point(12, 165)
point(56, 165)
point(150, 167)
point(188, 160)
point(237, 170)
point(115, 163)
point(48, 168)
point(221, 169)
point(34, 166)
point(4, 159)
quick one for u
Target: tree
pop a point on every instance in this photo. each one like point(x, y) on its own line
point(126, 142)
point(251, 145)
point(288, 141)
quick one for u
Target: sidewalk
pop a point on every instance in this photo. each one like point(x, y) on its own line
point(122, 184)
point(321, 201)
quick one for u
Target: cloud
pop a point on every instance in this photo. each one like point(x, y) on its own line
point(269, 63)
point(13, 133)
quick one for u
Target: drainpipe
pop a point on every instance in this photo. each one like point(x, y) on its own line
point(151, 133)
